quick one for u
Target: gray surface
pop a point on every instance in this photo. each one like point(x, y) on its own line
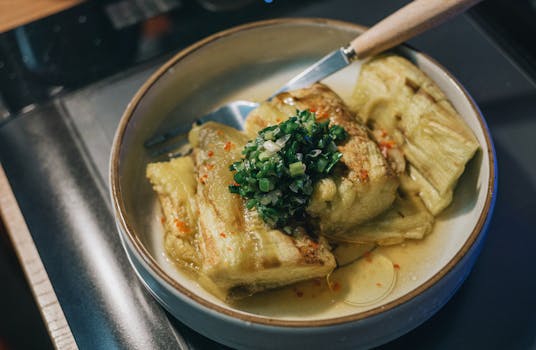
point(60, 184)
point(96, 111)
point(72, 226)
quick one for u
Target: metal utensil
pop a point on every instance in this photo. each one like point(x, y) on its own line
point(409, 21)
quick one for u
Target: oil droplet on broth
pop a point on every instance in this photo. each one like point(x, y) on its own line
point(367, 281)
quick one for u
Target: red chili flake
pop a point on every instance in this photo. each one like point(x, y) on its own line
point(210, 166)
point(378, 284)
point(278, 120)
point(321, 115)
point(396, 266)
point(363, 175)
point(384, 133)
point(228, 146)
point(203, 178)
point(313, 244)
point(235, 184)
point(312, 109)
point(387, 144)
point(368, 256)
point(210, 153)
point(336, 286)
point(219, 132)
point(223, 235)
point(181, 226)
point(162, 219)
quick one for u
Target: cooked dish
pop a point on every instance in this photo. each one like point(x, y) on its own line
point(313, 182)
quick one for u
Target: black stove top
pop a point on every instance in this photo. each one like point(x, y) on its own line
point(96, 39)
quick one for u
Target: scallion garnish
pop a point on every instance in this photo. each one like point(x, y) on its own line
point(279, 168)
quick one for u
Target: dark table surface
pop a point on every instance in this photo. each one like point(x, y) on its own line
point(56, 160)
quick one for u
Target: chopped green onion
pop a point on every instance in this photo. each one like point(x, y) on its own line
point(250, 204)
point(265, 185)
point(321, 164)
point(264, 155)
point(296, 169)
point(279, 168)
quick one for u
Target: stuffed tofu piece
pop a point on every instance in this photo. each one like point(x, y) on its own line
point(240, 253)
point(363, 186)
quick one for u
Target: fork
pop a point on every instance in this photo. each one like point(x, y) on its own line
point(407, 22)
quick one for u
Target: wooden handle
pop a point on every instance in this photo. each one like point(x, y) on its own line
point(411, 20)
point(20, 12)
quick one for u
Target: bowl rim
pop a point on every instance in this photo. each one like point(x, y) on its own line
point(142, 251)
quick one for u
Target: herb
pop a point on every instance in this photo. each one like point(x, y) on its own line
point(279, 168)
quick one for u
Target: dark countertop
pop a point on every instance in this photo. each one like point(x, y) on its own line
point(56, 160)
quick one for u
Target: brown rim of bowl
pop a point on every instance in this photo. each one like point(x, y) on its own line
point(151, 262)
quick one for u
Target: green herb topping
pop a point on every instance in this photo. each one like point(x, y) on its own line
point(279, 168)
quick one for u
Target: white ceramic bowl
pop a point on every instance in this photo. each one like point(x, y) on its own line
point(250, 62)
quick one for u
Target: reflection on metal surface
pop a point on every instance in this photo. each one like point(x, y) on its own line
point(4, 113)
point(77, 241)
point(124, 13)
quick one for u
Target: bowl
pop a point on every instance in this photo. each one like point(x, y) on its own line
point(231, 65)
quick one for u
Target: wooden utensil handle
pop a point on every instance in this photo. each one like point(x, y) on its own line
point(411, 20)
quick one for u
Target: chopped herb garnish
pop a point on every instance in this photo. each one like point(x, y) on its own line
point(279, 168)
